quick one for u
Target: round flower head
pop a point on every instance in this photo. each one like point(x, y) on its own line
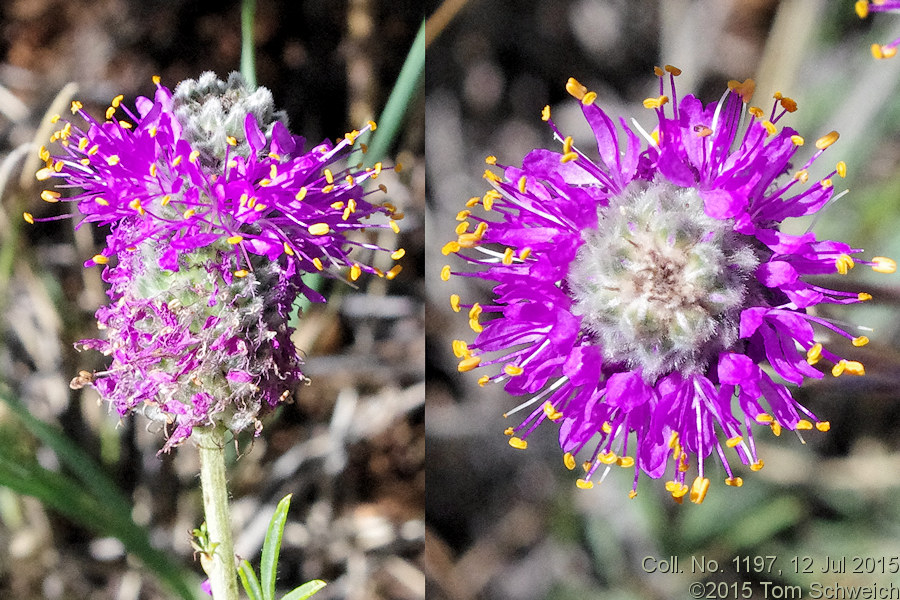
point(216, 212)
point(863, 8)
point(637, 297)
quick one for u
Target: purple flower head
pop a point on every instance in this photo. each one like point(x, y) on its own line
point(637, 296)
point(863, 8)
point(216, 213)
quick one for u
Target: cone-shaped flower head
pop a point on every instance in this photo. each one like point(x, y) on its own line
point(863, 8)
point(638, 297)
point(216, 212)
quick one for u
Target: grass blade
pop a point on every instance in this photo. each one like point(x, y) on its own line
point(249, 581)
point(394, 111)
point(305, 591)
point(268, 563)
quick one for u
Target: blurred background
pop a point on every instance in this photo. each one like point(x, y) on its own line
point(507, 524)
point(351, 447)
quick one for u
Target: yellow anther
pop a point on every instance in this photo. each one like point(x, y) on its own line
point(673, 70)
point(513, 370)
point(518, 443)
point(797, 140)
point(125, 125)
point(862, 8)
point(608, 458)
point(567, 144)
point(863, 296)
point(575, 89)
point(372, 125)
point(82, 144)
point(854, 367)
point(883, 264)
point(671, 486)
point(450, 247)
point(625, 461)
point(879, 51)
point(734, 481)
point(475, 311)
point(844, 263)
point(468, 363)
point(339, 205)
point(288, 250)
point(273, 172)
point(658, 71)
point(480, 229)
point(632, 494)
point(112, 160)
point(827, 140)
point(100, 259)
point(76, 106)
point(764, 419)
point(702, 131)
point(491, 160)
point(569, 157)
point(136, 205)
point(841, 169)
point(329, 177)
point(489, 198)
point(545, 113)
point(673, 440)
point(524, 253)
point(468, 240)
point(838, 369)
point(770, 127)
point(317, 263)
point(44, 154)
point(826, 183)
point(319, 228)
point(803, 424)
point(55, 119)
point(398, 254)
point(355, 272)
point(152, 169)
point(507, 256)
point(104, 201)
point(860, 341)
point(463, 215)
point(699, 489)
point(241, 273)
point(788, 104)
point(823, 425)
point(756, 112)
point(509, 430)
point(235, 239)
point(189, 213)
point(193, 156)
point(454, 302)
point(680, 491)
point(50, 196)
point(175, 162)
point(491, 176)
point(301, 194)
point(584, 484)
point(776, 428)
point(814, 354)
point(743, 88)
point(393, 272)
point(656, 102)
point(734, 441)
point(328, 189)
point(29, 218)
point(522, 182)
point(589, 98)
point(482, 381)
point(473, 201)
point(606, 427)
point(156, 79)
point(461, 350)
point(802, 175)
point(586, 466)
point(569, 461)
point(44, 174)
point(759, 464)
point(445, 273)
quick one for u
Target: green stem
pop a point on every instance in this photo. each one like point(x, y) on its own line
point(221, 568)
point(248, 59)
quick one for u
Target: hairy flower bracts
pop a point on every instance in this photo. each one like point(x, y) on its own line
point(216, 213)
point(863, 8)
point(646, 302)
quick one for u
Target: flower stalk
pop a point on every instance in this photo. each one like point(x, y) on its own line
point(218, 560)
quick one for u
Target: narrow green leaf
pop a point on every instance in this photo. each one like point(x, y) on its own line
point(249, 581)
point(268, 563)
point(395, 110)
point(248, 58)
point(305, 591)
